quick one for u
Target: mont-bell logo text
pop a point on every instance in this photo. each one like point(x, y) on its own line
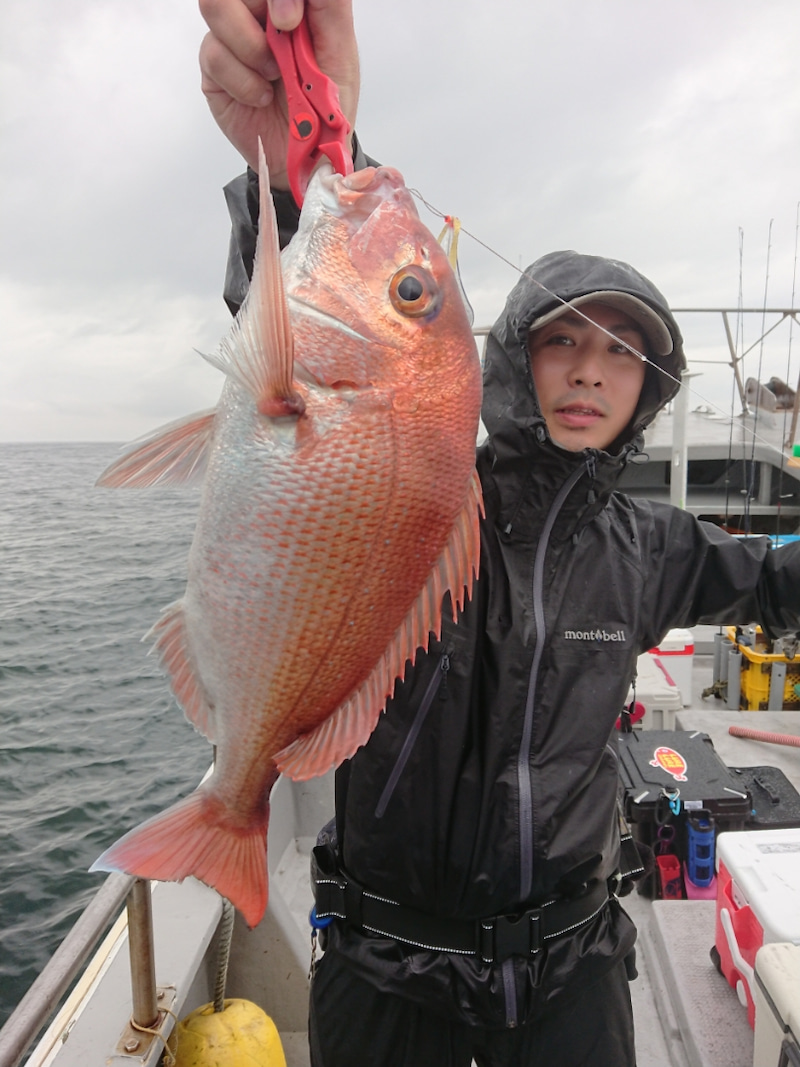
point(598, 634)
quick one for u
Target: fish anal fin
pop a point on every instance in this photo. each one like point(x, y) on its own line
point(174, 455)
point(172, 648)
point(350, 726)
point(197, 837)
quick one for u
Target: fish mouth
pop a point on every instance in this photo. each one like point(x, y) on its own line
point(359, 194)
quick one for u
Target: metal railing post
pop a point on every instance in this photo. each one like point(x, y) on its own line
point(142, 953)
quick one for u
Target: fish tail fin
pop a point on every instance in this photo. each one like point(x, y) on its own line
point(198, 837)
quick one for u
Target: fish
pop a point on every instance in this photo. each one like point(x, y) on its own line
point(339, 506)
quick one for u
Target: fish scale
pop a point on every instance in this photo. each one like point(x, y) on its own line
point(340, 504)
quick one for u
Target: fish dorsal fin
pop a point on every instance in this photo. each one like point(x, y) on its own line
point(349, 727)
point(174, 455)
point(258, 351)
point(170, 644)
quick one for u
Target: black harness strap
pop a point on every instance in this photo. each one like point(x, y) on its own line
point(494, 939)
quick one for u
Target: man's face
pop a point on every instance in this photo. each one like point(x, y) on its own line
point(588, 384)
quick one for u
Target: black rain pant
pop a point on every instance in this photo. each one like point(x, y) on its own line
point(353, 1024)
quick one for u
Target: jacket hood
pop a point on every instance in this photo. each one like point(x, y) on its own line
point(510, 402)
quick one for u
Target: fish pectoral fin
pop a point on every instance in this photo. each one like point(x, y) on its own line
point(176, 454)
point(198, 836)
point(172, 648)
point(259, 351)
point(343, 732)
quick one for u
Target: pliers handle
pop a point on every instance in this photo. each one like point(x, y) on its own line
point(317, 126)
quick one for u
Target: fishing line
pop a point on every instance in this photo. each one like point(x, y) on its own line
point(577, 311)
point(751, 478)
point(738, 346)
point(788, 440)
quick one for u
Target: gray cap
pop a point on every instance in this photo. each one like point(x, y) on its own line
point(651, 324)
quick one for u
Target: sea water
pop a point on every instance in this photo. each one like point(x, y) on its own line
point(91, 740)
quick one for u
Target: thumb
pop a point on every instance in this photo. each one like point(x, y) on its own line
point(333, 34)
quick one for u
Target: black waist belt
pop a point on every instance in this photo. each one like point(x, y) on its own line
point(494, 939)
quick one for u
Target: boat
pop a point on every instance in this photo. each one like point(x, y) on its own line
point(142, 956)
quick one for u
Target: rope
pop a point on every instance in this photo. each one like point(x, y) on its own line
point(223, 953)
point(169, 1054)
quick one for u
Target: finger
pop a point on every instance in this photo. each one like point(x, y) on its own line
point(222, 71)
point(333, 31)
point(258, 8)
point(335, 47)
point(285, 14)
point(235, 23)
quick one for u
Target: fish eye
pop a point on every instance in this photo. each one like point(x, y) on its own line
point(414, 292)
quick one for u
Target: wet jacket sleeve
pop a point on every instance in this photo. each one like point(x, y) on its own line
point(241, 196)
point(707, 576)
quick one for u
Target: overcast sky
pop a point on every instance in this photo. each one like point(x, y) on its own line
point(659, 133)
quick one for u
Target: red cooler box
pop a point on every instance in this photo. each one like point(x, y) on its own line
point(758, 901)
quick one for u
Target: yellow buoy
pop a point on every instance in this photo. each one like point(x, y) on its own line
point(242, 1035)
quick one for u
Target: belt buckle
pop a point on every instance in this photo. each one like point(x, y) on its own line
point(511, 935)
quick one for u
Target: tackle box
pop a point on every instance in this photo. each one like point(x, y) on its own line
point(775, 801)
point(758, 902)
point(668, 775)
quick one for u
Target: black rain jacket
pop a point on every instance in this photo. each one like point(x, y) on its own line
point(490, 783)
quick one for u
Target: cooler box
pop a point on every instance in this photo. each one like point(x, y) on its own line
point(676, 654)
point(657, 697)
point(777, 1006)
point(667, 775)
point(758, 901)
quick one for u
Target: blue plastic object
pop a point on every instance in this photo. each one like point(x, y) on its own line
point(700, 848)
point(316, 922)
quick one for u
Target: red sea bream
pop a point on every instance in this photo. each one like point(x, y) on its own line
point(339, 504)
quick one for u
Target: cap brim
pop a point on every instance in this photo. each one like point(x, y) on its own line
point(651, 324)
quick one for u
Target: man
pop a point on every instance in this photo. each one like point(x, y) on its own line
point(475, 851)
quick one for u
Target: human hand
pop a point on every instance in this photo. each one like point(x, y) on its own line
point(241, 80)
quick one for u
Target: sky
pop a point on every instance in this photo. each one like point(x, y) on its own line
point(666, 134)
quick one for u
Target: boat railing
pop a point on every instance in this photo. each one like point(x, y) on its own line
point(785, 314)
point(44, 996)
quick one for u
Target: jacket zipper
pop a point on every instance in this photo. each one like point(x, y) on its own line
point(524, 786)
point(437, 682)
point(524, 754)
